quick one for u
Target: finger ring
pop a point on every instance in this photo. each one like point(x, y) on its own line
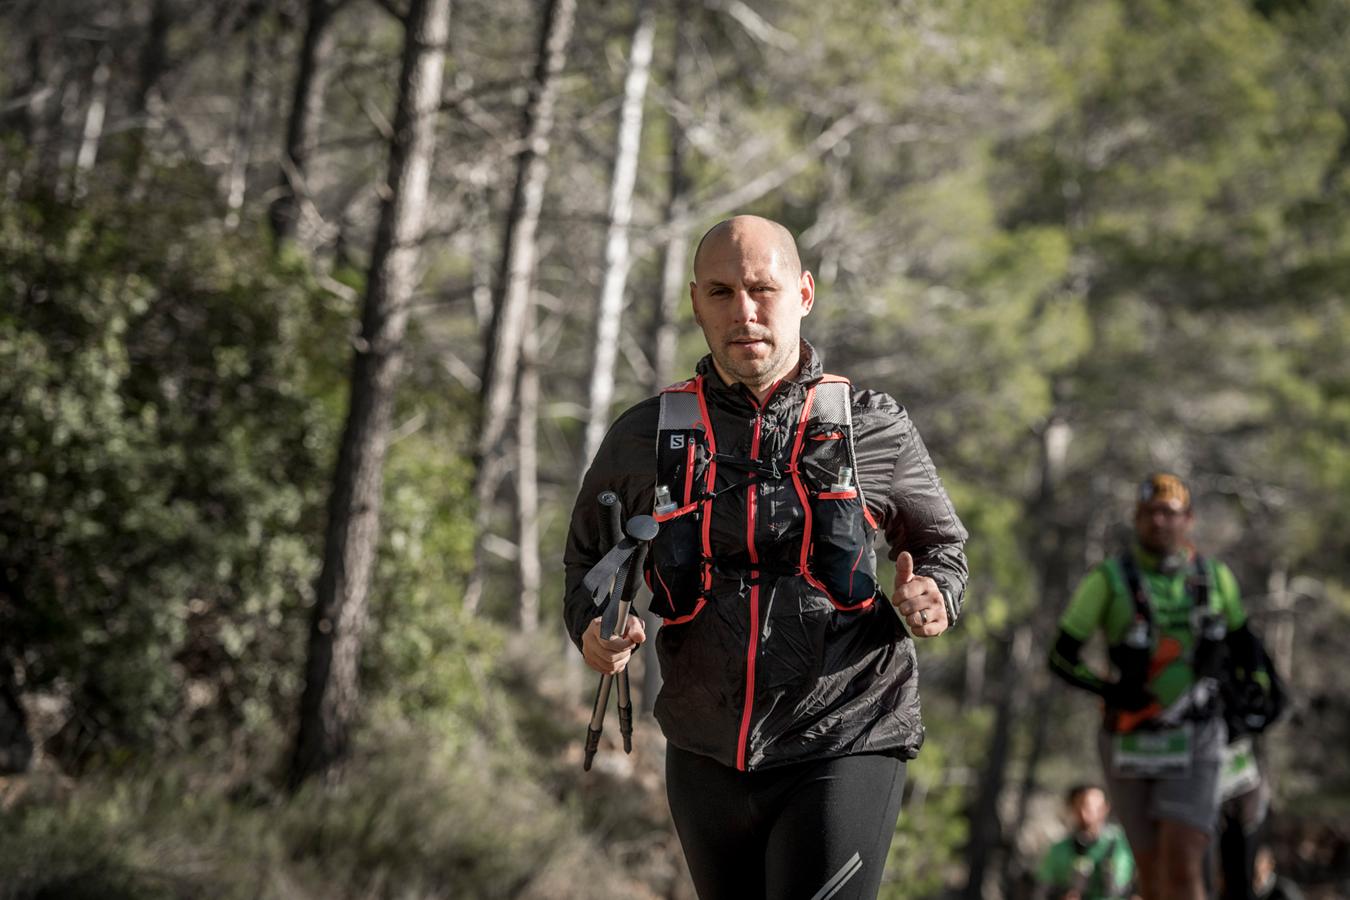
point(923, 616)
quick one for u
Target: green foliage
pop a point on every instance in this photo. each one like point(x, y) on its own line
point(163, 466)
point(425, 655)
point(933, 829)
point(417, 818)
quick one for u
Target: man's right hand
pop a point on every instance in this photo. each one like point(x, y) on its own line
point(608, 657)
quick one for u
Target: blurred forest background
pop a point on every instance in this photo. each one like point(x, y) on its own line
point(1078, 239)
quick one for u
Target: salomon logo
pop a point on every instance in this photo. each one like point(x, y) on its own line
point(677, 442)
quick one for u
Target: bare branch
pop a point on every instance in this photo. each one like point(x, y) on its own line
point(755, 25)
point(461, 371)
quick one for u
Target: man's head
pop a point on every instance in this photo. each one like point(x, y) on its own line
point(750, 295)
point(1088, 809)
point(1162, 515)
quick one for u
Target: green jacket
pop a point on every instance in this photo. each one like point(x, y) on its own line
point(1102, 870)
point(1103, 603)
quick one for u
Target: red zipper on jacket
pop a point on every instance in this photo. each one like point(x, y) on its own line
point(752, 647)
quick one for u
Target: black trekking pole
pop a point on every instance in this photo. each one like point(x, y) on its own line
point(624, 564)
point(613, 513)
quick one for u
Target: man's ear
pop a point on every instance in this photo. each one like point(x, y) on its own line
point(693, 288)
point(808, 289)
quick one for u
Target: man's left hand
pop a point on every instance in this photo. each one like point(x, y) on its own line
point(918, 600)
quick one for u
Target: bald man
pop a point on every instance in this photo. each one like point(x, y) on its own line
point(790, 698)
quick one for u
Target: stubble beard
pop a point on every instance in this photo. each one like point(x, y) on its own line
point(758, 374)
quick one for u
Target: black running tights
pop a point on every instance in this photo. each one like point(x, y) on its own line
point(817, 830)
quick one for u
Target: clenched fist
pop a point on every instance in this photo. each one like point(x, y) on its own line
point(608, 657)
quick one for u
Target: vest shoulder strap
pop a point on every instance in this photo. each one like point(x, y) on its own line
point(834, 402)
point(1197, 584)
point(680, 411)
point(1134, 584)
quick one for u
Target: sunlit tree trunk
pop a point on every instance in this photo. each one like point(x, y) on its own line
point(527, 474)
point(241, 138)
point(94, 116)
point(609, 311)
point(329, 703)
point(515, 281)
point(665, 338)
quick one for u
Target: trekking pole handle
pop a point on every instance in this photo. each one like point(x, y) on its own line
point(611, 511)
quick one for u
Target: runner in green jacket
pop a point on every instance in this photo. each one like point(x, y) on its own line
point(1094, 861)
point(1173, 624)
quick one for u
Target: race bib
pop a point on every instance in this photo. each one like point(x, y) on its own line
point(1165, 753)
point(1240, 773)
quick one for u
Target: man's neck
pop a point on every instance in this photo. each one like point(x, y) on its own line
point(760, 389)
point(1162, 559)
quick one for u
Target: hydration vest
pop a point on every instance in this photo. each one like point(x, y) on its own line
point(818, 524)
point(1143, 651)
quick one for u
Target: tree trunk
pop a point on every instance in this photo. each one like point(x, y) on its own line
point(1049, 551)
point(68, 129)
point(972, 695)
point(1282, 632)
point(92, 133)
point(986, 828)
point(16, 747)
point(665, 338)
point(481, 221)
point(34, 119)
point(1040, 731)
point(329, 703)
point(527, 473)
point(515, 280)
point(609, 312)
point(241, 139)
point(154, 63)
point(1052, 556)
point(831, 227)
point(302, 128)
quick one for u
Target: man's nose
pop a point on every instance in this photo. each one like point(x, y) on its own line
point(744, 307)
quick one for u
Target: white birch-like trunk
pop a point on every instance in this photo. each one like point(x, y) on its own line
point(514, 283)
point(95, 113)
point(609, 312)
point(673, 271)
point(241, 138)
point(528, 565)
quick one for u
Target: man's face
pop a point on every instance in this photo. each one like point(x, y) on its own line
point(750, 300)
point(1089, 811)
point(1163, 526)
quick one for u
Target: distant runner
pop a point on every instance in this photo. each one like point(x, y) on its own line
point(1094, 861)
point(1176, 632)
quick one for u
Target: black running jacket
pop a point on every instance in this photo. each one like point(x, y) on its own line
point(822, 682)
